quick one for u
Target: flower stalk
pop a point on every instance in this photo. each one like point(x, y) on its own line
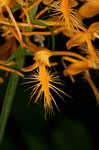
point(9, 95)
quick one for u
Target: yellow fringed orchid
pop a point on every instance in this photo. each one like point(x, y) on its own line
point(43, 78)
point(64, 10)
point(84, 36)
point(81, 64)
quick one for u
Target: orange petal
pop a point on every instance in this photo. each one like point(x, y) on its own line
point(73, 3)
point(76, 40)
point(30, 68)
point(76, 68)
point(89, 9)
point(94, 29)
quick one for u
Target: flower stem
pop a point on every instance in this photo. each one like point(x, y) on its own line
point(10, 93)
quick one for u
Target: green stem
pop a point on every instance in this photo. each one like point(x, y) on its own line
point(9, 96)
point(7, 103)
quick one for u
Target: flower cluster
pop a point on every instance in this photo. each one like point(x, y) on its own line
point(26, 22)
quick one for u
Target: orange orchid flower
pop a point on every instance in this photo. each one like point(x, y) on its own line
point(43, 80)
point(63, 15)
point(65, 11)
point(84, 36)
point(81, 64)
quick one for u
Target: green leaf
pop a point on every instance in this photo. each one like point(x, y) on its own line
point(32, 14)
point(10, 92)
